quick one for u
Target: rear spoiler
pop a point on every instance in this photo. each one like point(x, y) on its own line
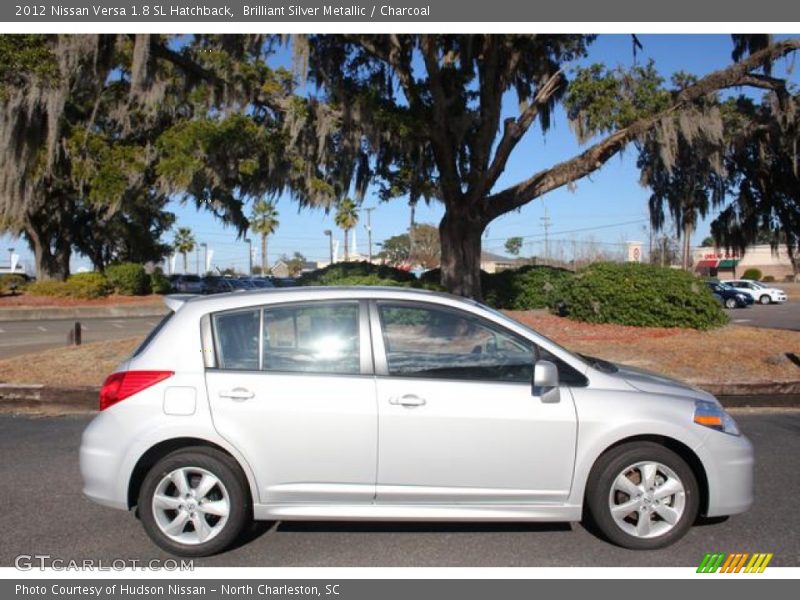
point(175, 301)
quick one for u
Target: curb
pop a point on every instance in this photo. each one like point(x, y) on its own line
point(81, 312)
point(37, 396)
point(85, 398)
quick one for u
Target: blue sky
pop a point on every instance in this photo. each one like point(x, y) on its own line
point(606, 208)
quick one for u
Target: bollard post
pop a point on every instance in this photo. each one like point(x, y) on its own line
point(78, 333)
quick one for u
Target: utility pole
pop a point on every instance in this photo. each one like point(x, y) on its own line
point(546, 224)
point(369, 232)
point(204, 246)
point(329, 233)
point(249, 243)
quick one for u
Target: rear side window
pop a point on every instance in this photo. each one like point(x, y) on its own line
point(236, 336)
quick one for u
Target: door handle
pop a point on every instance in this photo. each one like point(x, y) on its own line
point(237, 393)
point(407, 400)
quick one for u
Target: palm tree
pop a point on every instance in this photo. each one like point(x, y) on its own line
point(264, 220)
point(184, 243)
point(346, 219)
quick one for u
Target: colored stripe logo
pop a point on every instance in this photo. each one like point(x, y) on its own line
point(740, 562)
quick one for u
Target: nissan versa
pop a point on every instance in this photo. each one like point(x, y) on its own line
point(397, 404)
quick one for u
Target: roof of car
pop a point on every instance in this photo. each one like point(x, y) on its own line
point(253, 297)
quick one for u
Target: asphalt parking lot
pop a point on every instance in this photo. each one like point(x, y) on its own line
point(22, 337)
point(774, 316)
point(45, 513)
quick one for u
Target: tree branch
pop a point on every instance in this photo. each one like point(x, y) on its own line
point(440, 127)
point(597, 155)
point(515, 129)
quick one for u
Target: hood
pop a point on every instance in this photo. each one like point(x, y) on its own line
point(655, 383)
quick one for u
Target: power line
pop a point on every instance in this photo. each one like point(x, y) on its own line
point(538, 236)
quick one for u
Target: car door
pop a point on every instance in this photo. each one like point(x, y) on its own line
point(293, 390)
point(457, 417)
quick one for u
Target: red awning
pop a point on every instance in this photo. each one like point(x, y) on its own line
point(707, 264)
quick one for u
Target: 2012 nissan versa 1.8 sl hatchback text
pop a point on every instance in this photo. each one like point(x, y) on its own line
point(396, 404)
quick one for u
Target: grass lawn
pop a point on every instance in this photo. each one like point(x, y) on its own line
point(732, 354)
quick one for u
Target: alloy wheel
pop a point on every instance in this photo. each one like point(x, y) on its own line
point(647, 499)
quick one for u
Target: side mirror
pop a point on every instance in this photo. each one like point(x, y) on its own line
point(545, 381)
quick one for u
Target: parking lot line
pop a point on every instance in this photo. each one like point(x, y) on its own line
point(40, 328)
point(118, 326)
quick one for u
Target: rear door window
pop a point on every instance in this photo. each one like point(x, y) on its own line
point(236, 339)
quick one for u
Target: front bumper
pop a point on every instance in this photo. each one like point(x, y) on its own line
point(729, 462)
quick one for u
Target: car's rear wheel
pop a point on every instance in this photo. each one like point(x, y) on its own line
point(730, 303)
point(642, 496)
point(765, 299)
point(194, 502)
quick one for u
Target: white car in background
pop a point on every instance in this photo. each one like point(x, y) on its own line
point(760, 292)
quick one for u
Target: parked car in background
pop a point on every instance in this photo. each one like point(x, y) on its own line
point(259, 282)
point(728, 296)
point(188, 284)
point(761, 293)
point(283, 282)
point(396, 404)
point(215, 284)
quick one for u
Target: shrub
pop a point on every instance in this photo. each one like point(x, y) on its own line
point(87, 285)
point(768, 279)
point(641, 295)
point(343, 273)
point(525, 288)
point(754, 274)
point(7, 280)
point(128, 279)
point(159, 283)
point(47, 288)
point(80, 285)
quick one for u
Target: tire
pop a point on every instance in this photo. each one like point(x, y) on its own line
point(765, 299)
point(730, 303)
point(606, 488)
point(204, 522)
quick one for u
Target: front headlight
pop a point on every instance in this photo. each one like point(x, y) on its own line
point(741, 296)
point(709, 414)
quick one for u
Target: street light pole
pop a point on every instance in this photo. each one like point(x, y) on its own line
point(10, 259)
point(369, 232)
point(249, 256)
point(329, 233)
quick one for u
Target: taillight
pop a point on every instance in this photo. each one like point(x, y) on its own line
point(119, 386)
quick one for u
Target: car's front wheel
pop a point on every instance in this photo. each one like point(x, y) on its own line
point(194, 502)
point(765, 299)
point(730, 303)
point(642, 496)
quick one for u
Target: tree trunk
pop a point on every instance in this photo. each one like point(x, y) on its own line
point(49, 264)
point(461, 254)
point(185, 263)
point(346, 246)
point(264, 261)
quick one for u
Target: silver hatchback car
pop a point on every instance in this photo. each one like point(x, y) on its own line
point(397, 404)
